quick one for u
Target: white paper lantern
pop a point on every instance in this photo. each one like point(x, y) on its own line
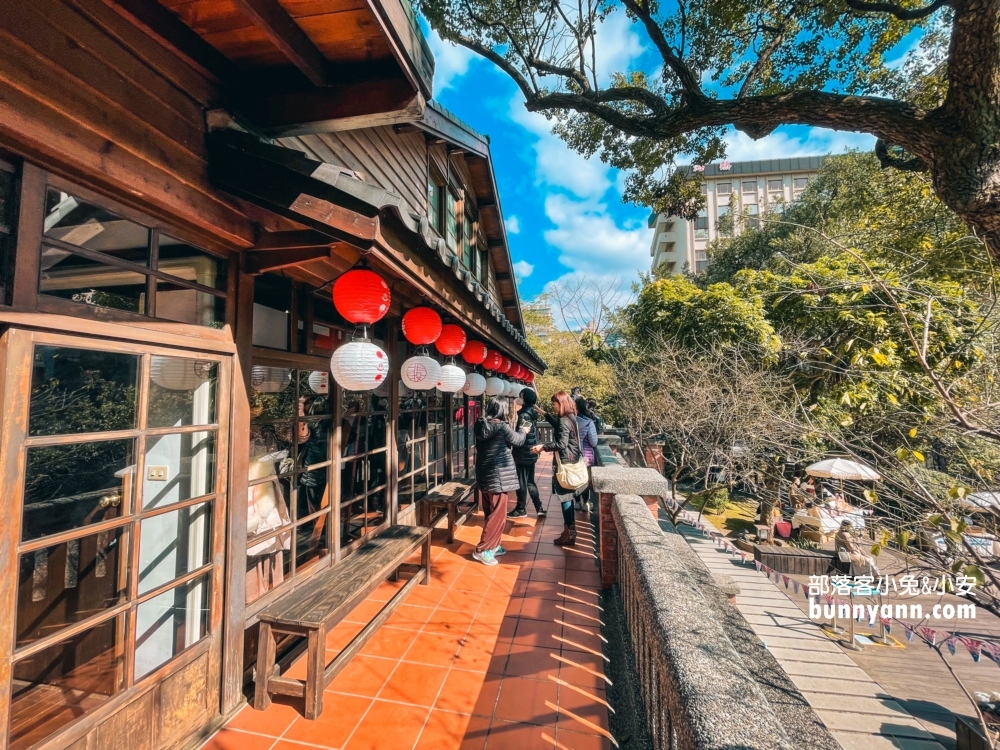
point(513, 389)
point(475, 384)
point(319, 382)
point(451, 379)
point(494, 387)
point(420, 373)
point(270, 379)
point(176, 374)
point(359, 366)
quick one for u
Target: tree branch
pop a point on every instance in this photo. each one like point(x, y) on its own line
point(688, 80)
point(887, 159)
point(903, 14)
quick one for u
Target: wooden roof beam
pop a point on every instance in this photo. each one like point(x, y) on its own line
point(173, 33)
point(289, 37)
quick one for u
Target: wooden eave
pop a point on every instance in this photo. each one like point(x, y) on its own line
point(298, 66)
point(342, 218)
point(439, 124)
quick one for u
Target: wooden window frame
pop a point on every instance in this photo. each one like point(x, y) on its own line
point(16, 360)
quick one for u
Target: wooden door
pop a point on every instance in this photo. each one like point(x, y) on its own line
point(112, 467)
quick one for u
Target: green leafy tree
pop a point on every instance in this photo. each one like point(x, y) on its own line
point(756, 66)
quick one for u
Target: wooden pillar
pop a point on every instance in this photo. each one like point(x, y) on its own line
point(236, 548)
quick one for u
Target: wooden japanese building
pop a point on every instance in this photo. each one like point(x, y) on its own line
point(180, 184)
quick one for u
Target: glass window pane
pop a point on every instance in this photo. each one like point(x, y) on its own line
point(74, 221)
point(178, 467)
point(352, 521)
point(267, 510)
point(314, 392)
point(310, 542)
point(774, 184)
point(313, 494)
point(272, 393)
point(376, 470)
point(173, 544)
point(182, 391)
point(87, 282)
point(376, 511)
point(71, 486)
point(169, 623)
point(8, 219)
point(182, 305)
point(191, 264)
point(82, 390)
point(56, 686)
point(352, 479)
point(69, 582)
point(267, 571)
point(724, 188)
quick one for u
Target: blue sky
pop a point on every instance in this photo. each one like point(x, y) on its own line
point(564, 213)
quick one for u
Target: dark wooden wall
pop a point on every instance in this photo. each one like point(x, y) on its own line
point(86, 94)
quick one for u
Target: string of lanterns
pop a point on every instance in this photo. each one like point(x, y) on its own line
point(363, 298)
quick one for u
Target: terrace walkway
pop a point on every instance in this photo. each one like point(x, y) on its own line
point(855, 708)
point(502, 657)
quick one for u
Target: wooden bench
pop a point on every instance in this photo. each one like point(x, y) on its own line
point(313, 608)
point(793, 560)
point(457, 498)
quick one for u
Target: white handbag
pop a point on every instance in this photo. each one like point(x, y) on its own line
point(572, 476)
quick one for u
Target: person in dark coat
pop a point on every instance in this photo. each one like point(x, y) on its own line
point(525, 459)
point(495, 474)
point(588, 440)
point(566, 440)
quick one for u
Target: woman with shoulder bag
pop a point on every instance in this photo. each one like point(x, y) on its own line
point(570, 470)
point(495, 474)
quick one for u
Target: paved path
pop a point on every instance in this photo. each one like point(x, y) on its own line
point(859, 713)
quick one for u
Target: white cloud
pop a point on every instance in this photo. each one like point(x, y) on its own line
point(523, 269)
point(617, 46)
point(555, 164)
point(513, 225)
point(783, 145)
point(451, 62)
point(590, 241)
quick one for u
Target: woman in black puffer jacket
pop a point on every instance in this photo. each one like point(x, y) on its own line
point(495, 474)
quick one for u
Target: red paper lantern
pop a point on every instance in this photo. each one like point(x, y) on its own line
point(516, 371)
point(504, 366)
point(530, 376)
point(451, 341)
point(493, 360)
point(421, 326)
point(474, 352)
point(361, 296)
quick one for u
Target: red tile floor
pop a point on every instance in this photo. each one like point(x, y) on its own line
point(503, 657)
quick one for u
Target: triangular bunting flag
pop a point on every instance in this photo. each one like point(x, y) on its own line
point(929, 634)
point(795, 586)
point(908, 629)
point(974, 648)
point(950, 643)
point(785, 580)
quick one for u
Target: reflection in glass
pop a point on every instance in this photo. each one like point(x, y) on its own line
point(313, 494)
point(172, 544)
point(405, 491)
point(352, 479)
point(310, 542)
point(65, 583)
point(90, 283)
point(76, 222)
point(352, 522)
point(70, 486)
point(182, 391)
point(178, 467)
point(267, 512)
point(8, 201)
point(57, 685)
point(191, 264)
point(169, 623)
point(376, 510)
point(272, 395)
point(184, 305)
point(376, 470)
point(82, 390)
point(314, 389)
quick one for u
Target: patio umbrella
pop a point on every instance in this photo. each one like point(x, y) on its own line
point(842, 468)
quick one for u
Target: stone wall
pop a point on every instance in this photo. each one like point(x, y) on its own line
point(707, 682)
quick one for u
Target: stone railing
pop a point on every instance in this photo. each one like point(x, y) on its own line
point(707, 682)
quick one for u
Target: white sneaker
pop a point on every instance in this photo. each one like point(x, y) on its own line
point(499, 551)
point(485, 557)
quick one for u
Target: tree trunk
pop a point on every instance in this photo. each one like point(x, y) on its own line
point(964, 159)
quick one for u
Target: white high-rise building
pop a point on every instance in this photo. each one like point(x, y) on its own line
point(754, 187)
